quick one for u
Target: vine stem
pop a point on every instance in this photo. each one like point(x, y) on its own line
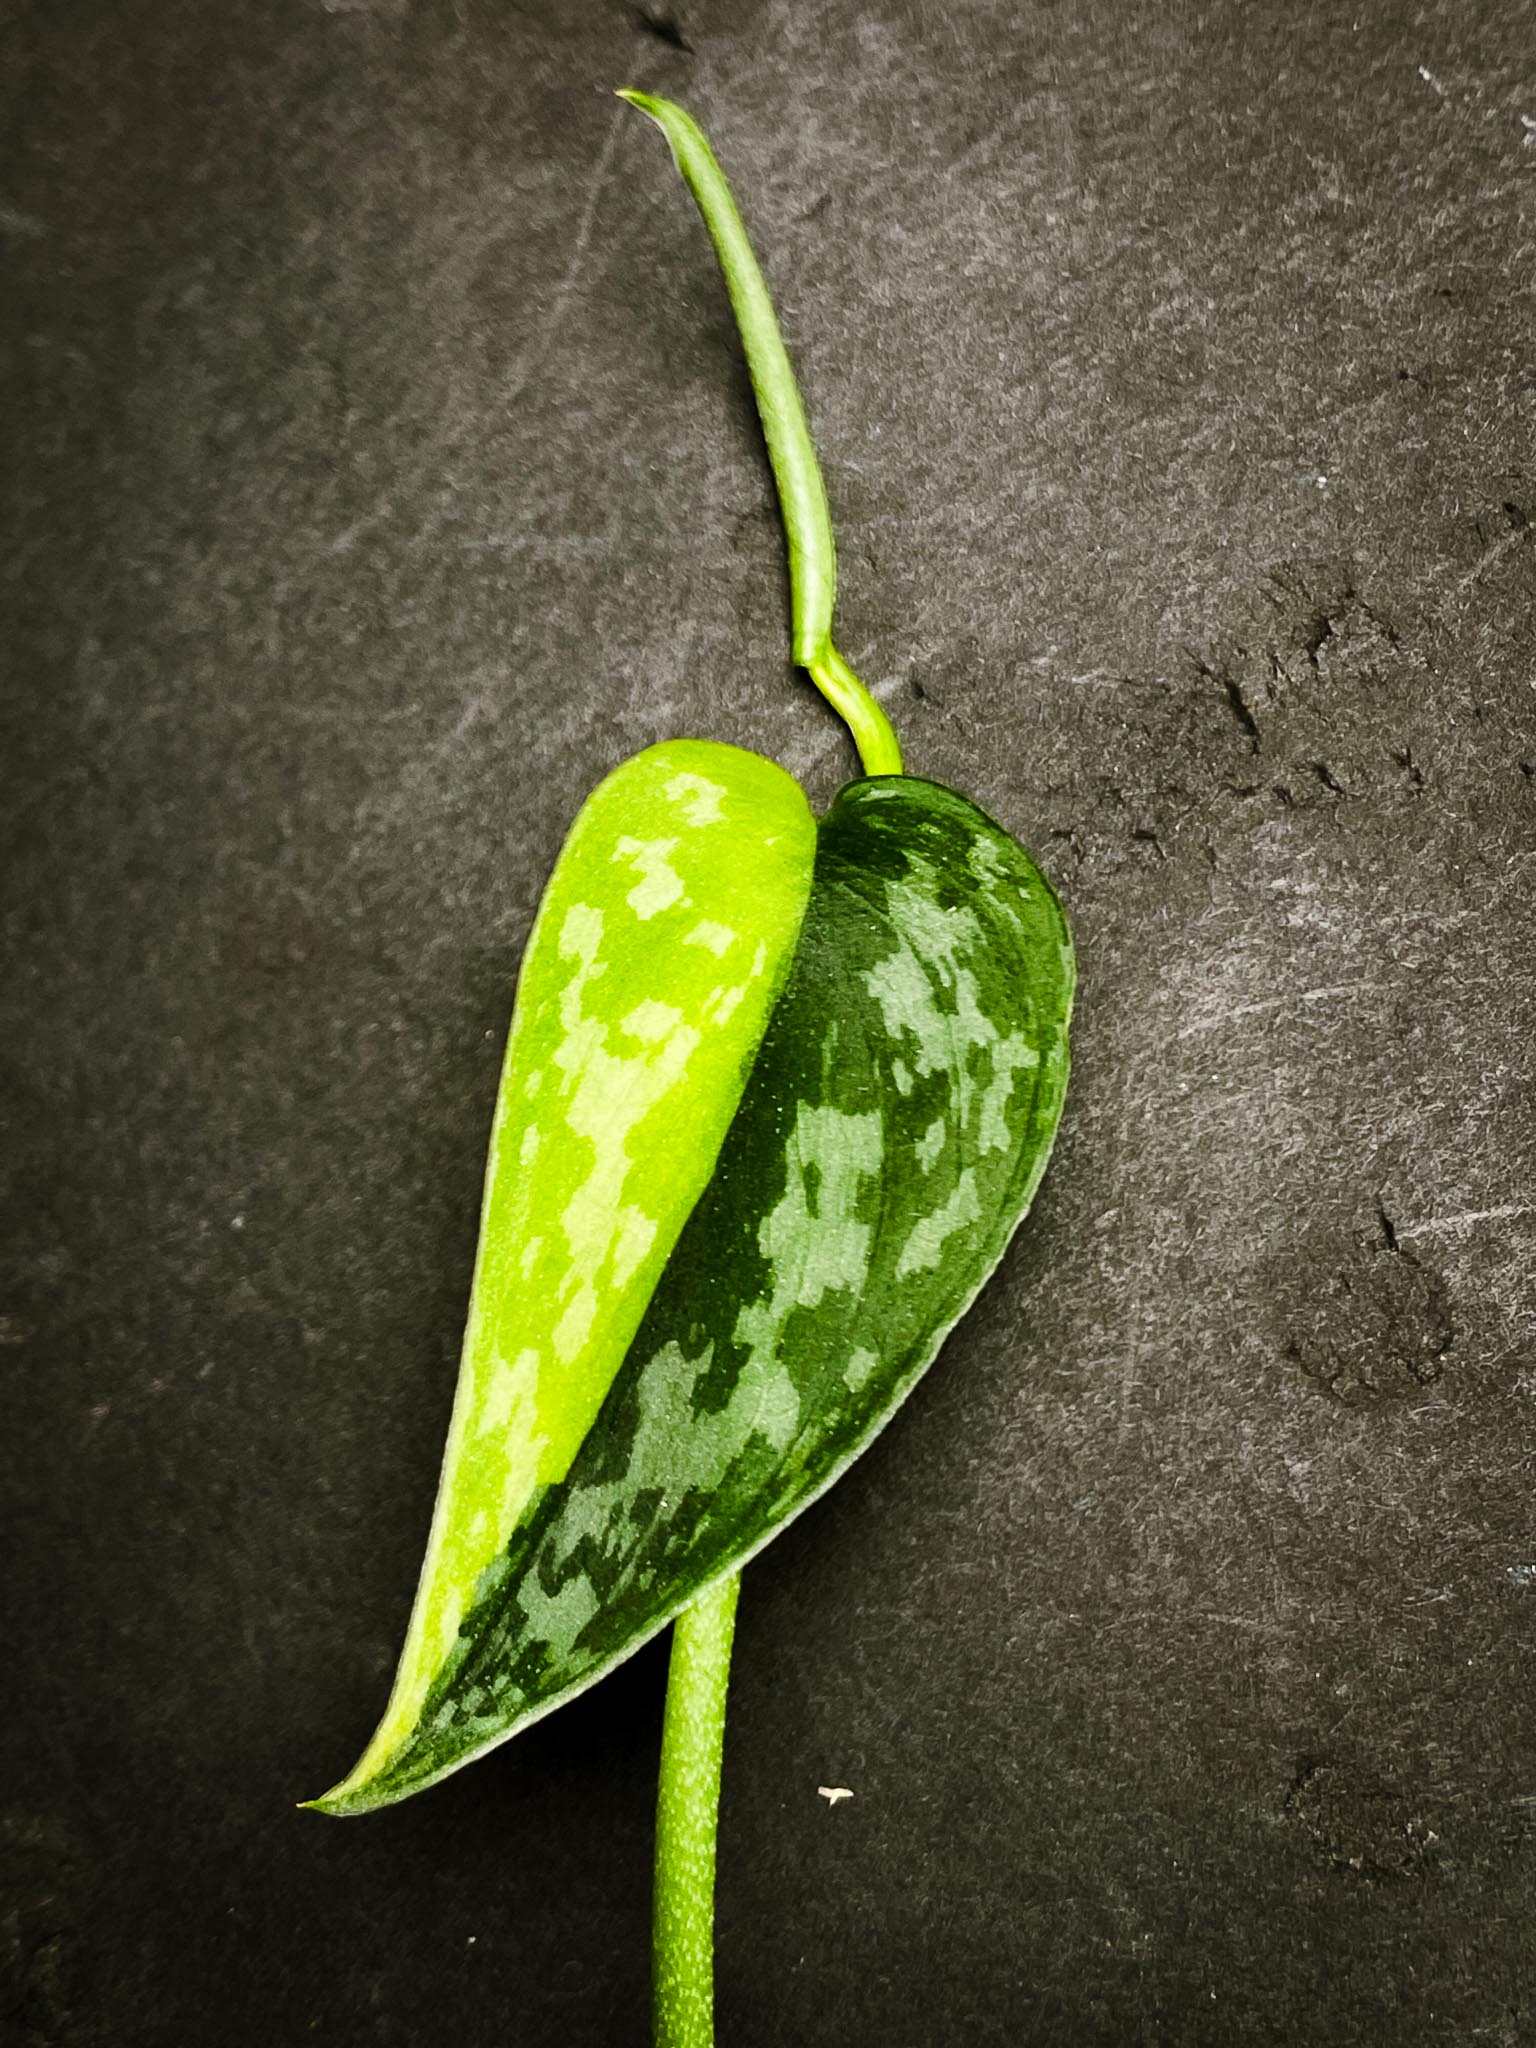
point(687, 1812)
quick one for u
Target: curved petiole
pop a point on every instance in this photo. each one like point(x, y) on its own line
point(802, 494)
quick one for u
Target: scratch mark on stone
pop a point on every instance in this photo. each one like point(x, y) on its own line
point(1309, 995)
point(1467, 1218)
point(533, 356)
point(1491, 557)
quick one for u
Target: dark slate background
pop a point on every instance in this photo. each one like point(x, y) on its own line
point(380, 471)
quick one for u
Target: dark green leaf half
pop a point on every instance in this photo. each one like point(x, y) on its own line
point(889, 1140)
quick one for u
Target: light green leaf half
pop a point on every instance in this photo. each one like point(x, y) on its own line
point(892, 1133)
point(661, 944)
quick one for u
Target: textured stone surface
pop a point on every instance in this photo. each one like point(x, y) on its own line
point(381, 470)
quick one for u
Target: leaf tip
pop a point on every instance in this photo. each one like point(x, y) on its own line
point(342, 1798)
point(664, 113)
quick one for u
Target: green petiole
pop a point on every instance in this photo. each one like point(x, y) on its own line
point(802, 494)
point(879, 748)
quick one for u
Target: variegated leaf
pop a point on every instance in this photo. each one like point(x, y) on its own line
point(661, 943)
point(889, 1140)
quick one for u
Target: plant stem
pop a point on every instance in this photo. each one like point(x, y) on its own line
point(802, 494)
point(687, 1808)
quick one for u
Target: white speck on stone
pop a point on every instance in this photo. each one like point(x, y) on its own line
point(832, 1793)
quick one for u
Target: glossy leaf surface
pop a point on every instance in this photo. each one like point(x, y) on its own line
point(890, 1138)
point(661, 943)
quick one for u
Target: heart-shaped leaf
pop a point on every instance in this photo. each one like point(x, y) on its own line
point(891, 1135)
